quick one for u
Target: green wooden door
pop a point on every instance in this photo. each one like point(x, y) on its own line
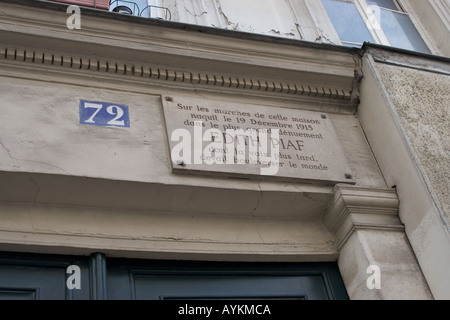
point(159, 280)
point(44, 277)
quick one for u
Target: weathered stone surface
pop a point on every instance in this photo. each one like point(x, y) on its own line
point(425, 118)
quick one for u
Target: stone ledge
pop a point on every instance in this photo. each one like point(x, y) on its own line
point(256, 199)
point(146, 234)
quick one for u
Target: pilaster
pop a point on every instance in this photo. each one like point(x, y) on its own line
point(375, 258)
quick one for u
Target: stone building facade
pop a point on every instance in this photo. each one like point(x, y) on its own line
point(92, 173)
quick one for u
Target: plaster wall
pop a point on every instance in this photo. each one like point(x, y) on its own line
point(422, 101)
point(404, 113)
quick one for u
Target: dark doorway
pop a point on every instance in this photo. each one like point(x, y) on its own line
point(44, 277)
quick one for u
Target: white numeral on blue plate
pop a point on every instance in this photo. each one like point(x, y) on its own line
point(104, 114)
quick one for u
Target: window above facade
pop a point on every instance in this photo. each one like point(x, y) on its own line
point(421, 26)
point(376, 21)
point(355, 21)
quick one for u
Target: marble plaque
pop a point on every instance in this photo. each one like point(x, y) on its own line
point(253, 141)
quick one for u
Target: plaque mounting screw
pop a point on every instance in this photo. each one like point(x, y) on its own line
point(324, 116)
point(180, 163)
point(348, 176)
point(169, 99)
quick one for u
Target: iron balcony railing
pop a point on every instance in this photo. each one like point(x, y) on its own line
point(132, 8)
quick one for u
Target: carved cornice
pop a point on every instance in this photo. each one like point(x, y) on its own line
point(355, 208)
point(165, 74)
point(171, 54)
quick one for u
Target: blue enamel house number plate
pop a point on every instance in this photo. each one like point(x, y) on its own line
point(104, 114)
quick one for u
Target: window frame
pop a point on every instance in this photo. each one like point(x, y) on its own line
point(375, 31)
point(407, 8)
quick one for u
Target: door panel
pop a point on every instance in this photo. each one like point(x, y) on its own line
point(189, 280)
point(19, 294)
point(18, 282)
point(222, 287)
point(39, 277)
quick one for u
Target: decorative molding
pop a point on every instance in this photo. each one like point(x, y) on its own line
point(166, 74)
point(356, 208)
point(176, 56)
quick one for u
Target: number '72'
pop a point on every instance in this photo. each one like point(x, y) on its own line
point(104, 114)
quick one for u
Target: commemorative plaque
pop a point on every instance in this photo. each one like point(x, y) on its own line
point(253, 141)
